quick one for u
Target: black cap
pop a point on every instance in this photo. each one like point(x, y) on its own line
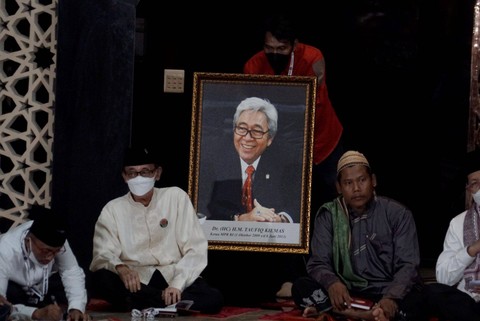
point(48, 227)
point(135, 156)
point(472, 162)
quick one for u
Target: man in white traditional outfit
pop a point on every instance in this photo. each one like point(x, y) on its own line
point(459, 262)
point(149, 249)
point(39, 273)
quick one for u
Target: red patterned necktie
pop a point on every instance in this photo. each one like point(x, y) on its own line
point(247, 200)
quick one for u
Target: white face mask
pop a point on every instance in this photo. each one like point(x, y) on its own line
point(476, 197)
point(140, 185)
point(32, 256)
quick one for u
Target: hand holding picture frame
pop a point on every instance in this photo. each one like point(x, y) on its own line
point(223, 138)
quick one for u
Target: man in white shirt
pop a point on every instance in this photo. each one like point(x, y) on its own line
point(459, 263)
point(149, 249)
point(39, 273)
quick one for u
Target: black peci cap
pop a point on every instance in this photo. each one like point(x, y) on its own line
point(48, 227)
point(472, 162)
point(135, 156)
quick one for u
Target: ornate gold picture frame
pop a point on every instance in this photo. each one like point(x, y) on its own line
point(215, 164)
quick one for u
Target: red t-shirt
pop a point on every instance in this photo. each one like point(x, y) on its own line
point(328, 129)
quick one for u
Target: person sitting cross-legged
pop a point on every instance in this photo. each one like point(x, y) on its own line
point(363, 245)
point(149, 249)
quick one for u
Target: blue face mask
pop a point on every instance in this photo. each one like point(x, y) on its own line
point(278, 62)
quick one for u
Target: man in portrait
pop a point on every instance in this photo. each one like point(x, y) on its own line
point(272, 193)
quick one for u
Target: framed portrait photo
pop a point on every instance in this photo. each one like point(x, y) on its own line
point(258, 121)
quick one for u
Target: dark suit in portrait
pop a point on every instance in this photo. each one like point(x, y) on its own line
point(277, 183)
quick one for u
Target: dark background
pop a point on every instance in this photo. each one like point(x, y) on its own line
point(397, 73)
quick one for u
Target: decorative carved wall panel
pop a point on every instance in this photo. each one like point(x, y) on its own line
point(27, 79)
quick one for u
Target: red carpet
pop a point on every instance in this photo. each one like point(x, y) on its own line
point(281, 304)
point(293, 315)
point(228, 312)
point(296, 315)
point(97, 305)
